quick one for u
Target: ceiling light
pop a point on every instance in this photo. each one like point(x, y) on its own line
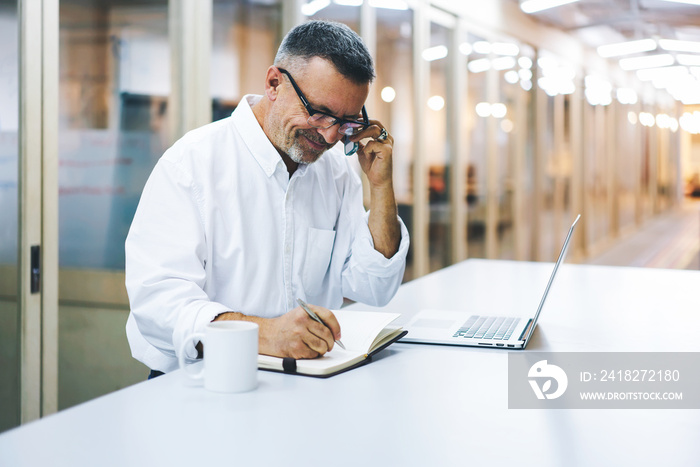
point(499, 110)
point(465, 48)
point(677, 81)
point(435, 53)
point(691, 122)
point(679, 46)
point(688, 60)
point(687, 2)
point(691, 100)
point(533, 6)
point(388, 94)
point(646, 119)
point(626, 96)
point(598, 91)
point(314, 6)
point(504, 48)
point(477, 66)
point(525, 62)
point(503, 63)
point(511, 77)
point(685, 89)
point(626, 48)
point(482, 47)
point(525, 73)
point(647, 61)
point(652, 73)
point(436, 103)
point(548, 85)
point(483, 109)
point(567, 87)
point(348, 2)
point(389, 4)
point(663, 121)
point(561, 73)
point(506, 125)
point(674, 125)
point(547, 62)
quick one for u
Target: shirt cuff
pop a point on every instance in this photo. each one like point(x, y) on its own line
point(204, 316)
point(372, 261)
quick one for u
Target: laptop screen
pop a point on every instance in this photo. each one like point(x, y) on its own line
point(562, 255)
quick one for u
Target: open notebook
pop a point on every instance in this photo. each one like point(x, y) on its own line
point(364, 333)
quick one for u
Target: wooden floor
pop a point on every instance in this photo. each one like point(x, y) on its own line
point(670, 241)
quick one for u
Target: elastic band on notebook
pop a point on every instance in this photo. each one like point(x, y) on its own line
point(289, 365)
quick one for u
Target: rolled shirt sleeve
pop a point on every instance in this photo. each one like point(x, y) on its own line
point(165, 273)
point(370, 277)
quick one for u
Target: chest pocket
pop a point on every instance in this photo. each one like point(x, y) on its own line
point(319, 246)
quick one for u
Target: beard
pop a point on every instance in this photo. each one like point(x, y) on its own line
point(303, 154)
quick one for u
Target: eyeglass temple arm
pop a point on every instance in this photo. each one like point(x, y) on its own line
point(299, 93)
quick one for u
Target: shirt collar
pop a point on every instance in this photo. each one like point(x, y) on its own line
point(254, 137)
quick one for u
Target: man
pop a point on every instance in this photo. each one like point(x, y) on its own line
point(243, 216)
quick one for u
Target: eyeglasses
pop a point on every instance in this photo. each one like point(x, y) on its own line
point(318, 119)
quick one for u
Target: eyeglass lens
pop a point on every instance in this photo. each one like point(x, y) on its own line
point(326, 121)
point(350, 128)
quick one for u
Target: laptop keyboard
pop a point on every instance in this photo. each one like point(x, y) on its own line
point(487, 327)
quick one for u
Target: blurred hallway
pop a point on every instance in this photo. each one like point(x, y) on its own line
point(670, 241)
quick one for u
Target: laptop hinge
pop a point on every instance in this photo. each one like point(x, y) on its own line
point(526, 330)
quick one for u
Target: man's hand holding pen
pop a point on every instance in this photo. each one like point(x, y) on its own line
point(295, 334)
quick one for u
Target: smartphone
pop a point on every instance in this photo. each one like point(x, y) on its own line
point(350, 147)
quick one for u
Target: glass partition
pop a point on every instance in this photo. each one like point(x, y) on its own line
point(438, 157)
point(114, 85)
point(524, 147)
point(392, 103)
point(548, 156)
point(589, 173)
point(245, 38)
point(9, 161)
point(507, 111)
point(667, 158)
point(563, 195)
point(627, 153)
point(674, 147)
point(596, 170)
point(547, 160)
point(113, 122)
point(648, 152)
point(475, 117)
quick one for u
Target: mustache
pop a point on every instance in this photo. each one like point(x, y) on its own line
point(314, 136)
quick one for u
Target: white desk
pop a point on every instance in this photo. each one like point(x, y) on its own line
point(415, 404)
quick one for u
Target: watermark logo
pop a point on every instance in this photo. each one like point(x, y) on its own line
point(546, 373)
point(603, 380)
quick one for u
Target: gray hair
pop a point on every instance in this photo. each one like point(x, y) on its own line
point(331, 41)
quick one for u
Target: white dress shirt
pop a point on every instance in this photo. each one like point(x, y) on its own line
point(222, 227)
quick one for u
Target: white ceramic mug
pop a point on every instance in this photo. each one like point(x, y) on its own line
point(230, 356)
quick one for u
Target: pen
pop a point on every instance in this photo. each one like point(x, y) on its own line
point(315, 317)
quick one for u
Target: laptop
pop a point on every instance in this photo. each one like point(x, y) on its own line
point(458, 328)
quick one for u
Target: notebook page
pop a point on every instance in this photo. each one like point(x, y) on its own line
point(358, 329)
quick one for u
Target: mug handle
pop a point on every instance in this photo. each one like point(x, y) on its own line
point(181, 356)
